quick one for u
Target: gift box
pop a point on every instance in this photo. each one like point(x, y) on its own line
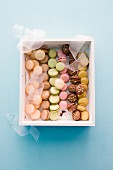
point(89, 44)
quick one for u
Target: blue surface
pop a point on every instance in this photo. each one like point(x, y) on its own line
point(58, 148)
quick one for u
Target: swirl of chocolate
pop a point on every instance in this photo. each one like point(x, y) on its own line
point(71, 73)
point(75, 79)
point(72, 88)
point(76, 115)
point(79, 89)
point(72, 98)
point(72, 107)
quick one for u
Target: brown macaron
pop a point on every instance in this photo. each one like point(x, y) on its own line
point(45, 95)
point(45, 67)
point(46, 85)
point(45, 104)
point(45, 60)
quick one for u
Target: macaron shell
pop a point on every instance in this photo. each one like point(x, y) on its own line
point(63, 95)
point(52, 63)
point(54, 115)
point(45, 104)
point(37, 70)
point(59, 83)
point(44, 114)
point(29, 65)
point(52, 53)
point(60, 66)
point(65, 87)
point(39, 55)
point(54, 107)
point(65, 77)
point(64, 71)
point(53, 72)
point(35, 115)
point(45, 67)
point(45, 60)
point(63, 105)
point(54, 99)
point(29, 109)
point(54, 91)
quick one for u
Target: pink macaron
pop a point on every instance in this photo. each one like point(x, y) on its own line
point(65, 77)
point(63, 95)
point(63, 105)
point(64, 71)
point(65, 87)
point(60, 53)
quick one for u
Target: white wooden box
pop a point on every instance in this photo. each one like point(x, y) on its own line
point(91, 92)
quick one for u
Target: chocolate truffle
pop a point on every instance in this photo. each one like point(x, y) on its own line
point(72, 107)
point(72, 88)
point(76, 115)
point(79, 89)
point(72, 98)
point(65, 49)
point(75, 79)
point(71, 73)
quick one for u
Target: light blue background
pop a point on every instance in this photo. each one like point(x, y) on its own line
point(58, 148)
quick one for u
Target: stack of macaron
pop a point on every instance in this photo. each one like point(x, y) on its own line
point(78, 90)
point(58, 84)
point(37, 65)
point(63, 89)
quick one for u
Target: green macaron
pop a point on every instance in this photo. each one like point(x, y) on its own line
point(54, 99)
point(60, 66)
point(54, 107)
point(52, 72)
point(52, 63)
point(54, 115)
point(52, 80)
point(52, 53)
point(54, 91)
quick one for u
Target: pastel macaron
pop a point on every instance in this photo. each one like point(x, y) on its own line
point(52, 53)
point(52, 63)
point(29, 65)
point(35, 115)
point(39, 55)
point(63, 95)
point(65, 87)
point(63, 104)
point(52, 72)
point(54, 115)
point(37, 100)
point(65, 77)
point(29, 89)
point(64, 71)
point(45, 94)
point(29, 109)
point(37, 70)
point(59, 83)
point(60, 66)
point(45, 104)
point(44, 114)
